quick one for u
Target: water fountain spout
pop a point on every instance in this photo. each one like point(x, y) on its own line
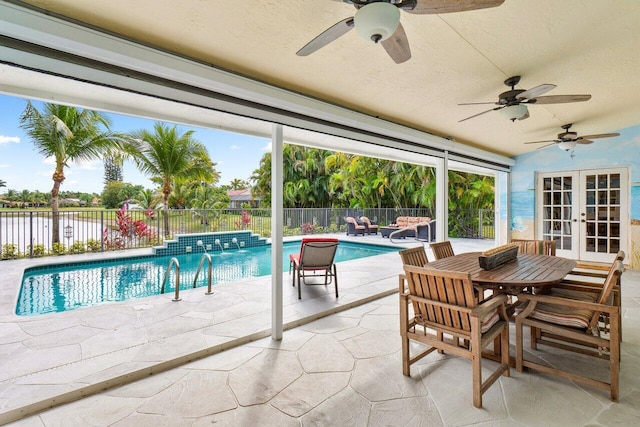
point(217, 242)
point(235, 242)
point(199, 243)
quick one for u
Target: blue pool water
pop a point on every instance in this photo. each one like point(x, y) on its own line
point(63, 287)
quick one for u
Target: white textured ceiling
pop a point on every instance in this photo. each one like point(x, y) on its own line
point(584, 47)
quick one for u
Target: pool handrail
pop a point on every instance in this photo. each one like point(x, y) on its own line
point(173, 261)
point(202, 258)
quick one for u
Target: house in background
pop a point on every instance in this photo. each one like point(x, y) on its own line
point(240, 198)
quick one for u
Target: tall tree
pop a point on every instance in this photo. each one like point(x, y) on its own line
point(168, 156)
point(238, 184)
point(112, 168)
point(68, 134)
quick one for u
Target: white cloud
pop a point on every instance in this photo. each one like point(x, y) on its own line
point(87, 165)
point(4, 165)
point(235, 147)
point(7, 139)
point(267, 147)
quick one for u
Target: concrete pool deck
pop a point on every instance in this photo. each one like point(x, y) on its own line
point(58, 357)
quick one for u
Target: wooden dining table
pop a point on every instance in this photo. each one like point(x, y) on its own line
point(526, 271)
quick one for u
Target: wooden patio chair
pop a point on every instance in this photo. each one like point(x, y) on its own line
point(442, 249)
point(568, 319)
point(541, 247)
point(369, 227)
point(316, 254)
point(444, 304)
point(592, 278)
point(416, 256)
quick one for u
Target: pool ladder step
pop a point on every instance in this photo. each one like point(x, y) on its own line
point(174, 262)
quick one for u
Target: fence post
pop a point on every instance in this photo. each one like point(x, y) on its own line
point(102, 231)
point(480, 223)
point(31, 234)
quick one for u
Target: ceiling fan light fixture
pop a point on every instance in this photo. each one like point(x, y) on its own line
point(514, 112)
point(377, 21)
point(567, 145)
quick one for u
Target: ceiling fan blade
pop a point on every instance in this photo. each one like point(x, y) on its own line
point(330, 34)
point(397, 46)
point(546, 140)
point(583, 141)
point(559, 99)
point(602, 135)
point(449, 6)
point(479, 103)
point(479, 114)
point(535, 92)
point(545, 146)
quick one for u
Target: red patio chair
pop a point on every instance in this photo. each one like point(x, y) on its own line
point(316, 254)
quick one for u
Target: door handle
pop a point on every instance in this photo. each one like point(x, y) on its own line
point(583, 220)
point(575, 220)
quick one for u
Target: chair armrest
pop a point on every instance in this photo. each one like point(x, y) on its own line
point(523, 296)
point(590, 266)
point(583, 287)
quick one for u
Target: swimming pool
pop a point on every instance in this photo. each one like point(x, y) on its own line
point(63, 287)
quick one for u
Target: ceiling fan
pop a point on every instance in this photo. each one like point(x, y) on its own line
point(513, 103)
point(379, 21)
point(567, 140)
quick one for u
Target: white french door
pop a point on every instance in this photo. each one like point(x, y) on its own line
point(586, 212)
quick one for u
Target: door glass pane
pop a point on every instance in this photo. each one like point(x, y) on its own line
point(557, 198)
point(546, 213)
point(567, 183)
point(546, 227)
point(615, 180)
point(557, 183)
point(614, 213)
point(602, 197)
point(566, 213)
point(591, 182)
point(602, 213)
point(591, 198)
point(591, 229)
point(546, 198)
point(614, 246)
point(602, 245)
point(614, 230)
point(614, 197)
point(591, 245)
point(566, 243)
point(546, 184)
point(591, 213)
point(602, 230)
point(557, 213)
point(603, 181)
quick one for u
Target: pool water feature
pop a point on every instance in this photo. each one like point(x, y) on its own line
point(63, 287)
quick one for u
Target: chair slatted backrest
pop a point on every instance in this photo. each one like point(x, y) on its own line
point(442, 249)
point(414, 256)
point(612, 279)
point(540, 247)
point(450, 287)
point(318, 254)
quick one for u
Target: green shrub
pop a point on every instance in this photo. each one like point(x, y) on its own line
point(38, 250)
point(77, 248)
point(10, 251)
point(58, 248)
point(93, 245)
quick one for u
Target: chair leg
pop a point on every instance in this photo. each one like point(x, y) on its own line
point(335, 278)
point(519, 327)
point(506, 359)
point(476, 367)
point(299, 286)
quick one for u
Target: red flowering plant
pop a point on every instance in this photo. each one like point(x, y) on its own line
point(127, 230)
point(245, 221)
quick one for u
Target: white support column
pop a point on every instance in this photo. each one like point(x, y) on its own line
point(276, 231)
point(442, 198)
point(501, 196)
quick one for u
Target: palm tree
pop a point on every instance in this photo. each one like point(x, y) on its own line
point(67, 134)
point(3, 183)
point(208, 198)
point(167, 156)
point(238, 184)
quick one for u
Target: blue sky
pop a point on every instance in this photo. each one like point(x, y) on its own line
point(23, 168)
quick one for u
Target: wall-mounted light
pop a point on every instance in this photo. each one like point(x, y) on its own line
point(514, 112)
point(377, 21)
